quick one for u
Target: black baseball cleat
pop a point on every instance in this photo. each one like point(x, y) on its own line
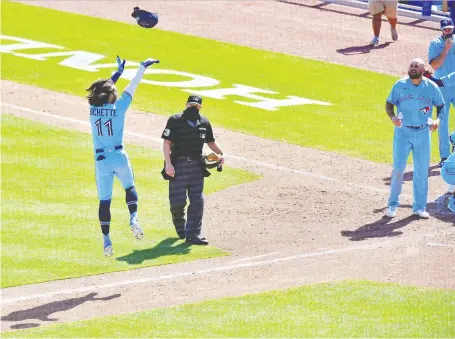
point(197, 240)
point(441, 162)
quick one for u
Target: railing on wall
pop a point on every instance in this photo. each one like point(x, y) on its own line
point(422, 10)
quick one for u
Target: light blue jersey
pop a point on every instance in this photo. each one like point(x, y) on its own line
point(448, 67)
point(449, 80)
point(415, 102)
point(416, 105)
point(436, 48)
point(107, 122)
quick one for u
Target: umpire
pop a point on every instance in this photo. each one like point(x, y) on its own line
point(184, 138)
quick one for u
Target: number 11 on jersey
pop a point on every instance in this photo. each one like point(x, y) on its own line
point(108, 124)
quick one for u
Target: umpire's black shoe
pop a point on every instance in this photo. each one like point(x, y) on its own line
point(197, 240)
point(441, 162)
point(180, 232)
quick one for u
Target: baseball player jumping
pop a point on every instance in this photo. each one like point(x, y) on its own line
point(107, 119)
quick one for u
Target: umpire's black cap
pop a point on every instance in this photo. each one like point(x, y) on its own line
point(194, 99)
point(145, 19)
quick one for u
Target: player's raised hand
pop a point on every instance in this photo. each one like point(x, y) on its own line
point(121, 65)
point(149, 62)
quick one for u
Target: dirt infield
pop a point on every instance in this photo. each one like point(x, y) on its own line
point(303, 222)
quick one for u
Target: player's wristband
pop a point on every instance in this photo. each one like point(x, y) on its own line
point(115, 76)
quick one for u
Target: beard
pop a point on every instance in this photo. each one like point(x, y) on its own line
point(415, 75)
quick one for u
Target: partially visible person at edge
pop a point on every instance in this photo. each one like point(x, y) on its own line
point(449, 6)
point(441, 57)
point(446, 81)
point(389, 8)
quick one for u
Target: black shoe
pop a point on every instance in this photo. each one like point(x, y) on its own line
point(197, 240)
point(180, 232)
point(441, 162)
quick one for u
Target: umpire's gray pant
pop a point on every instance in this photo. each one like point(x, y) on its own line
point(189, 177)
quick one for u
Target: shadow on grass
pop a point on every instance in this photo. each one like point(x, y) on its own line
point(163, 248)
point(43, 312)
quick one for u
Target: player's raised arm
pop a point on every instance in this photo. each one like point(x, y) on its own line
point(131, 88)
point(120, 69)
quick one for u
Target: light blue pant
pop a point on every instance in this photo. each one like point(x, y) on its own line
point(448, 94)
point(115, 163)
point(406, 140)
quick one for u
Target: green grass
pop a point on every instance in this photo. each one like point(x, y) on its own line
point(346, 309)
point(356, 123)
point(49, 209)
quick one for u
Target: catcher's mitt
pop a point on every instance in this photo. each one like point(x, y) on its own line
point(210, 160)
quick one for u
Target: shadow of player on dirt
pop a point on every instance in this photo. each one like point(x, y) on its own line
point(161, 249)
point(408, 176)
point(385, 227)
point(43, 312)
point(354, 50)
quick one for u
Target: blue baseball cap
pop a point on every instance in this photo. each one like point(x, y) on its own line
point(145, 19)
point(446, 23)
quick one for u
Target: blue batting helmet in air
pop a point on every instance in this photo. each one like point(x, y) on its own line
point(145, 19)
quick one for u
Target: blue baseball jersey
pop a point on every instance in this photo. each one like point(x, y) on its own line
point(436, 48)
point(449, 80)
point(107, 122)
point(415, 102)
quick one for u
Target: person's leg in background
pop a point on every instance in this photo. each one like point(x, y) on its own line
point(376, 8)
point(391, 11)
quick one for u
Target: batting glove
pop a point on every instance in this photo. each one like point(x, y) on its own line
point(149, 62)
point(120, 68)
point(121, 65)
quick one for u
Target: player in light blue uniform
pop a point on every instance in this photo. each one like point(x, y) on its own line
point(448, 175)
point(447, 81)
point(414, 97)
point(441, 57)
point(107, 119)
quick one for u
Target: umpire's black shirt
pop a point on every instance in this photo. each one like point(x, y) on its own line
point(187, 136)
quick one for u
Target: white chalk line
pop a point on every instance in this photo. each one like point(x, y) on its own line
point(254, 257)
point(439, 244)
point(186, 274)
point(245, 160)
